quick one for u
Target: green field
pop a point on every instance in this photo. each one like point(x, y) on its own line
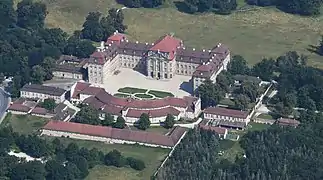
point(160, 94)
point(265, 116)
point(265, 32)
point(155, 129)
point(24, 124)
point(151, 156)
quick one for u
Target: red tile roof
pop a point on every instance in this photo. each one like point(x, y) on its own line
point(122, 134)
point(153, 113)
point(79, 87)
point(116, 38)
point(218, 130)
point(226, 112)
point(288, 122)
point(39, 110)
point(19, 107)
point(167, 44)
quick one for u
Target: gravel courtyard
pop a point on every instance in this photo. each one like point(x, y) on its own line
point(179, 85)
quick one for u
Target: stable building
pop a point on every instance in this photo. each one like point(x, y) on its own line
point(36, 91)
point(112, 135)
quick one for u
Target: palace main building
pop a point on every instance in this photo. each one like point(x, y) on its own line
point(164, 59)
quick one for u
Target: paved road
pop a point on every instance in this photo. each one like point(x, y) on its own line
point(4, 103)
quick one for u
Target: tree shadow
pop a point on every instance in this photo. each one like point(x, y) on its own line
point(120, 1)
point(181, 7)
point(314, 49)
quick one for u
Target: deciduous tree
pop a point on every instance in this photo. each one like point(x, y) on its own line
point(143, 122)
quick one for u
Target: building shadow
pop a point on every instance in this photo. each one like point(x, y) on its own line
point(187, 86)
point(314, 49)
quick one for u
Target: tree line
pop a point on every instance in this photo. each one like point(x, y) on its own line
point(59, 161)
point(275, 153)
point(302, 7)
point(28, 50)
point(90, 115)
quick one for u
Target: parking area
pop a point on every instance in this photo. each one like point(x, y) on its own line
point(179, 85)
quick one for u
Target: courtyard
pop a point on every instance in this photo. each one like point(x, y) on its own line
point(129, 82)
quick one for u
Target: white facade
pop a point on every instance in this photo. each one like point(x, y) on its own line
point(61, 74)
point(228, 118)
point(26, 94)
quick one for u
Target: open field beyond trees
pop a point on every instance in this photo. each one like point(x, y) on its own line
point(26, 124)
point(265, 32)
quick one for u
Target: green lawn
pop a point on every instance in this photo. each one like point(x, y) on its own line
point(151, 156)
point(257, 126)
point(227, 101)
point(161, 94)
point(24, 124)
point(131, 90)
point(155, 129)
point(231, 149)
point(122, 95)
point(265, 116)
point(266, 32)
point(144, 96)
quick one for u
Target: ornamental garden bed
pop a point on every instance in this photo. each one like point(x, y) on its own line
point(121, 95)
point(131, 90)
point(144, 96)
point(160, 94)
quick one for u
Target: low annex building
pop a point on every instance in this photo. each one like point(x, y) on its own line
point(287, 122)
point(69, 67)
point(112, 135)
point(42, 92)
point(131, 109)
point(228, 118)
point(163, 59)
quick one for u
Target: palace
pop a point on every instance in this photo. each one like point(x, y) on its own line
point(164, 59)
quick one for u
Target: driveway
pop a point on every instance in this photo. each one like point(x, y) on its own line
point(4, 103)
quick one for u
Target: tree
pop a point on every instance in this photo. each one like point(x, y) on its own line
point(132, 3)
point(108, 120)
point(117, 18)
point(120, 123)
point(7, 13)
point(302, 7)
point(71, 151)
point(82, 164)
point(170, 121)
point(33, 170)
point(238, 65)
point(152, 3)
point(241, 101)
point(225, 80)
point(49, 104)
point(38, 74)
point(114, 158)
point(92, 28)
point(264, 69)
point(225, 6)
point(249, 89)
point(55, 37)
point(320, 47)
point(143, 122)
point(31, 14)
point(79, 48)
point(48, 65)
point(210, 93)
point(2, 78)
point(136, 163)
point(87, 115)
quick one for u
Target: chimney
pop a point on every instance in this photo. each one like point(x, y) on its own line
point(209, 50)
point(109, 44)
point(121, 40)
point(117, 32)
point(193, 49)
point(136, 42)
point(146, 43)
point(158, 50)
point(219, 44)
point(127, 40)
point(203, 50)
point(102, 45)
point(184, 48)
point(152, 44)
point(203, 63)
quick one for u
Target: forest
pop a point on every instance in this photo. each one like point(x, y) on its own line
point(301, 7)
point(298, 85)
point(28, 50)
point(58, 161)
point(276, 153)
